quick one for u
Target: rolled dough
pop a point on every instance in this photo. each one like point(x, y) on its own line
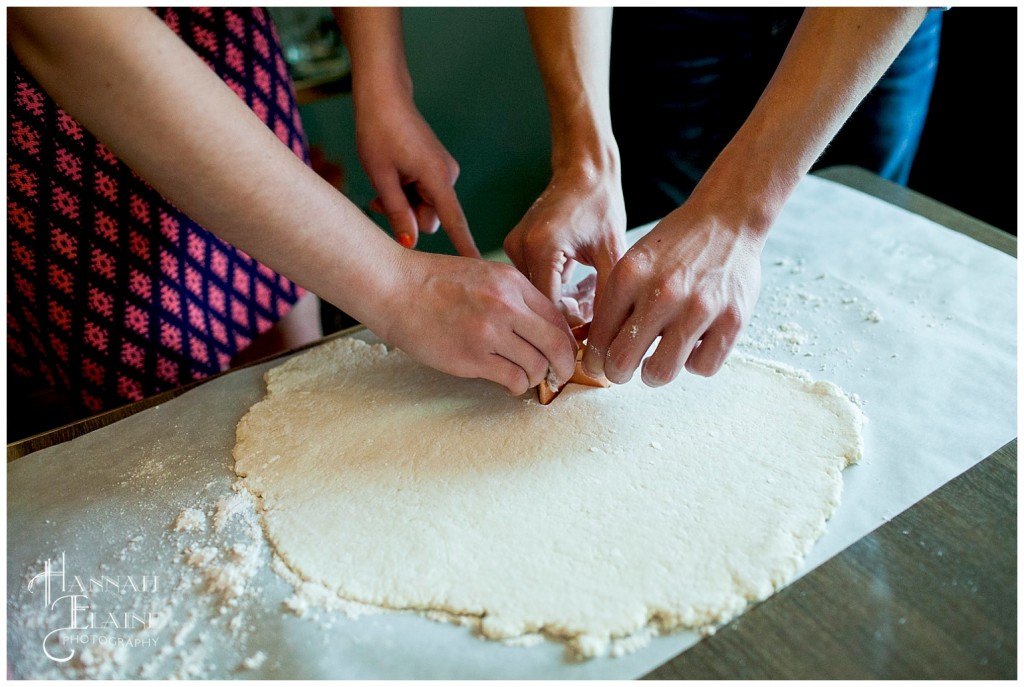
point(609, 512)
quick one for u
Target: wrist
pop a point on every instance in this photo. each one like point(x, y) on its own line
point(588, 150)
point(362, 271)
point(384, 85)
point(378, 111)
point(386, 289)
point(747, 185)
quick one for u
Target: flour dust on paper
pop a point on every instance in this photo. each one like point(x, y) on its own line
point(604, 518)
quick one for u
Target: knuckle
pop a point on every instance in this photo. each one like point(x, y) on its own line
point(670, 287)
point(512, 277)
point(497, 307)
point(629, 267)
point(732, 319)
point(441, 169)
point(502, 273)
point(535, 241)
point(492, 304)
point(699, 307)
point(485, 328)
point(511, 245)
point(517, 383)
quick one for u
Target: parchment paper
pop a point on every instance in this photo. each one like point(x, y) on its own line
point(917, 320)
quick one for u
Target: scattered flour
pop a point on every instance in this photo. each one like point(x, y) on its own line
point(184, 631)
point(229, 576)
point(239, 504)
point(788, 335)
point(208, 579)
point(100, 661)
point(255, 661)
point(524, 641)
point(190, 520)
point(200, 556)
point(794, 307)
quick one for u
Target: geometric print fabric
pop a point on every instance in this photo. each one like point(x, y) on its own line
point(112, 293)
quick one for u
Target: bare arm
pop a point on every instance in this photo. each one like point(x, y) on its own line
point(694, 279)
point(834, 59)
point(580, 217)
point(227, 170)
point(139, 89)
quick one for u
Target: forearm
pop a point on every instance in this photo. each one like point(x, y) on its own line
point(573, 49)
point(140, 90)
point(580, 217)
point(373, 36)
point(833, 60)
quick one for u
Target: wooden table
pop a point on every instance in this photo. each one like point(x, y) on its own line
point(931, 594)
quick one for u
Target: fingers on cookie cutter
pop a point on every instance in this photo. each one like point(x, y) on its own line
point(547, 391)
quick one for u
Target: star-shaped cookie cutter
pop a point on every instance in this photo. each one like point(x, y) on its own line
point(546, 392)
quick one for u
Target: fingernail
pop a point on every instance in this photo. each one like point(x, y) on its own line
point(592, 355)
point(405, 240)
point(647, 378)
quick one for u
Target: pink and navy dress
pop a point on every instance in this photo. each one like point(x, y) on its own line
point(112, 293)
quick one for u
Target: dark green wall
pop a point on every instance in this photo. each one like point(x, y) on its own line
point(476, 83)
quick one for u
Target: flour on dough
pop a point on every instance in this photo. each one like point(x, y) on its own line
point(397, 486)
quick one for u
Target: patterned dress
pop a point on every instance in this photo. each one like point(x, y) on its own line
point(112, 293)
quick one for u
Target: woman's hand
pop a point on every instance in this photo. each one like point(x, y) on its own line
point(693, 281)
point(412, 172)
point(473, 318)
point(580, 217)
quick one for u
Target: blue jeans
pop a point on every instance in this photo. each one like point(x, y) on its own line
point(683, 80)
